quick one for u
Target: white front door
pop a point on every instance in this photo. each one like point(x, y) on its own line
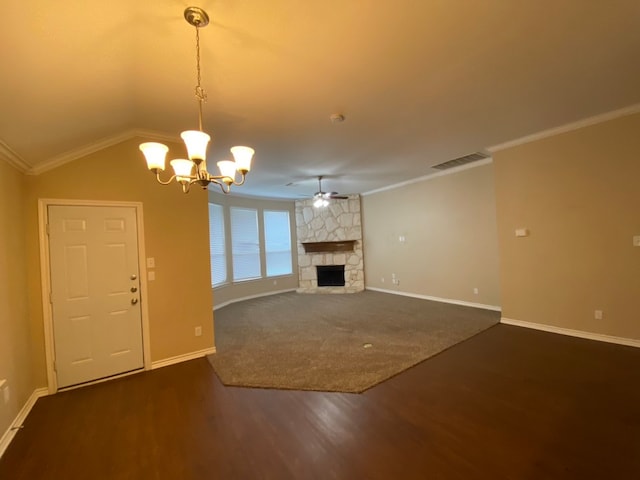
point(95, 292)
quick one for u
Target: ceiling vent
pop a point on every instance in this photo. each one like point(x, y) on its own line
point(458, 162)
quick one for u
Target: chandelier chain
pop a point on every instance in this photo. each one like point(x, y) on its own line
point(200, 93)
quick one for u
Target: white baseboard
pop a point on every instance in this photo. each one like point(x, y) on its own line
point(438, 299)
point(630, 342)
point(267, 294)
point(20, 418)
point(182, 358)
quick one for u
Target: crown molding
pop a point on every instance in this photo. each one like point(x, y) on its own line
point(586, 122)
point(85, 150)
point(431, 176)
point(12, 158)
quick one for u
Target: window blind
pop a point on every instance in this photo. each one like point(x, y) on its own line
point(245, 244)
point(277, 242)
point(217, 245)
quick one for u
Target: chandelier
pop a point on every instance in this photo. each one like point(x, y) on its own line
point(196, 141)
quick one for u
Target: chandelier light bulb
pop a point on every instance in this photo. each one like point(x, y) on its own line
point(196, 142)
point(227, 170)
point(155, 154)
point(182, 168)
point(242, 156)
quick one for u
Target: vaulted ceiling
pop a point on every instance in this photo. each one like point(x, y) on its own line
point(419, 82)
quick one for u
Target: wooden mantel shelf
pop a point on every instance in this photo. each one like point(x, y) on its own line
point(341, 246)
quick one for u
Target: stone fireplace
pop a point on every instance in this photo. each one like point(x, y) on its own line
point(330, 237)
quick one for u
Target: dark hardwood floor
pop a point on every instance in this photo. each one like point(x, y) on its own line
point(509, 403)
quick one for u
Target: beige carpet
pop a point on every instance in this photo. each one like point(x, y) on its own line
point(341, 343)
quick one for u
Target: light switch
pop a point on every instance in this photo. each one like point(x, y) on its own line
point(151, 262)
point(151, 276)
point(636, 241)
point(522, 232)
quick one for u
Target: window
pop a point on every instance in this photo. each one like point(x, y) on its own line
point(277, 243)
point(217, 245)
point(259, 243)
point(245, 244)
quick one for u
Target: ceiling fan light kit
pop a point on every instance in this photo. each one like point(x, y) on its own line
point(320, 202)
point(197, 141)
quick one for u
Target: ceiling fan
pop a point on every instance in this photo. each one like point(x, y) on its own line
point(321, 199)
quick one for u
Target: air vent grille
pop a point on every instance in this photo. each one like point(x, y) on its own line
point(457, 162)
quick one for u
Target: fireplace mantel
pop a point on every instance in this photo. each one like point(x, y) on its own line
point(339, 246)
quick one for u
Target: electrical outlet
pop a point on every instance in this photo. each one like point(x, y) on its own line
point(198, 331)
point(597, 314)
point(381, 279)
point(475, 291)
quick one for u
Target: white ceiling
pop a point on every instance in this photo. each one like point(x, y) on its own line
point(420, 82)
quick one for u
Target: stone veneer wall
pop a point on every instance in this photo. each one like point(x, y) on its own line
point(339, 221)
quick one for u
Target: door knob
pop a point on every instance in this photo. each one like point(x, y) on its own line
point(134, 301)
point(133, 276)
point(134, 289)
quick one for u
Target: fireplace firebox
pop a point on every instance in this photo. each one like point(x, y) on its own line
point(330, 275)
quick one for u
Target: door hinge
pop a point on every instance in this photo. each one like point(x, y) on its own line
point(48, 229)
point(55, 366)
point(51, 298)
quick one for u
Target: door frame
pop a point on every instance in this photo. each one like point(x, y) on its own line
point(45, 279)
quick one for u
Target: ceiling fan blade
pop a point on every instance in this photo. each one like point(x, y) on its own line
point(338, 197)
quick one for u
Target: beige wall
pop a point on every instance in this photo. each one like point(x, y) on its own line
point(579, 195)
point(450, 246)
point(176, 235)
point(250, 288)
point(15, 348)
